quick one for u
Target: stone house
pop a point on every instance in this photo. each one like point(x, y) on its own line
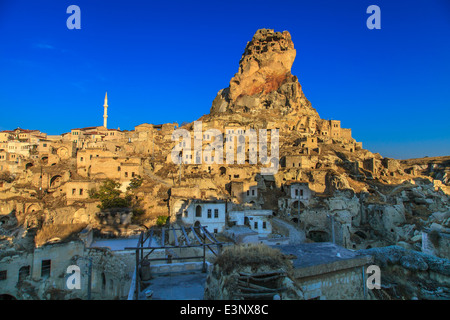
point(256, 220)
point(325, 271)
point(296, 191)
point(78, 190)
point(43, 273)
point(209, 213)
point(299, 161)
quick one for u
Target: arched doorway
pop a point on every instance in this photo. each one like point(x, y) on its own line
point(63, 153)
point(28, 166)
point(55, 181)
point(103, 282)
point(33, 208)
point(294, 205)
point(319, 236)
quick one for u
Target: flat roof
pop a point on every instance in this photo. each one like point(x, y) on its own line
point(177, 287)
point(322, 257)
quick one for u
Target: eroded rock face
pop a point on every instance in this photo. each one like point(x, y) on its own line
point(265, 64)
point(264, 80)
point(408, 274)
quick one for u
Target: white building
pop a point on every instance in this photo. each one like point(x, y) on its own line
point(299, 190)
point(256, 220)
point(207, 213)
point(251, 194)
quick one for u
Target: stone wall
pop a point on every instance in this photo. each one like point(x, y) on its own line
point(42, 274)
point(342, 285)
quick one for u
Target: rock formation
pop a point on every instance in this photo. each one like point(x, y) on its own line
point(410, 274)
point(264, 80)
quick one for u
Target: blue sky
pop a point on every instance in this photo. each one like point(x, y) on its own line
point(164, 61)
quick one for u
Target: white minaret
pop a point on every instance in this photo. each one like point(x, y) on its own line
point(105, 114)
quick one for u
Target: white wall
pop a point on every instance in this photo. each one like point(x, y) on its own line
point(212, 223)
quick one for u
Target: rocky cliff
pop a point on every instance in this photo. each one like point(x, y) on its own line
point(264, 80)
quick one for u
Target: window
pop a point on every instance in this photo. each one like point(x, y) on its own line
point(185, 213)
point(264, 225)
point(132, 174)
point(103, 282)
point(81, 192)
point(256, 225)
point(296, 192)
point(215, 230)
point(81, 159)
point(248, 192)
point(3, 275)
point(198, 211)
point(126, 174)
point(209, 213)
point(46, 268)
point(73, 191)
point(253, 192)
point(216, 213)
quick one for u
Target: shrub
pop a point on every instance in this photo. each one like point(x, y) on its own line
point(252, 255)
point(161, 221)
point(135, 183)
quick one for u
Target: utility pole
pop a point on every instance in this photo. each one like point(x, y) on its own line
point(332, 228)
point(298, 221)
point(181, 159)
point(89, 279)
point(89, 272)
point(40, 188)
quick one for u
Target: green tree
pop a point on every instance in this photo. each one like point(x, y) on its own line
point(162, 220)
point(135, 183)
point(110, 195)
